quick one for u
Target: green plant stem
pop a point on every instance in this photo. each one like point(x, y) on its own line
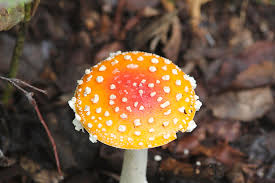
point(17, 52)
point(134, 166)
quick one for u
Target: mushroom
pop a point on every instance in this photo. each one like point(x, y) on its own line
point(135, 101)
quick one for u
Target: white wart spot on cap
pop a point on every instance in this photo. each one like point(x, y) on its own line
point(151, 120)
point(167, 112)
point(136, 104)
point(182, 109)
point(166, 136)
point(127, 57)
point(99, 79)
point(191, 126)
point(141, 108)
point(124, 99)
point(159, 99)
point(153, 94)
point(106, 113)
point(137, 122)
point(89, 78)
point(165, 77)
point(87, 91)
point(122, 128)
point(152, 69)
point(95, 99)
point(151, 85)
point(114, 62)
point(164, 68)
point(191, 80)
point(128, 108)
point(87, 71)
point(132, 66)
point(123, 116)
point(102, 68)
point(174, 71)
point(167, 61)
point(80, 82)
point(178, 82)
point(154, 60)
point(137, 133)
point(112, 96)
point(98, 110)
point(109, 122)
point(140, 58)
point(198, 105)
point(166, 89)
point(165, 104)
point(166, 123)
point(112, 86)
point(178, 96)
point(186, 89)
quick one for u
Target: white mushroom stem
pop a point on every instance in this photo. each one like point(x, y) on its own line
point(134, 166)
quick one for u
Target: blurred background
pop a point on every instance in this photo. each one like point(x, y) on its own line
point(227, 46)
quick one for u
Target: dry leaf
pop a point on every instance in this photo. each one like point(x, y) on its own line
point(219, 129)
point(104, 52)
point(172, 47)
point(256, 75)
point(154, 29)
point(242, 105)
point(134, 5)
point(11, 13)
point(194, 7)
point(233, 65)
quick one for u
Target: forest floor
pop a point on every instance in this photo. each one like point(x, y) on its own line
point(229, 48)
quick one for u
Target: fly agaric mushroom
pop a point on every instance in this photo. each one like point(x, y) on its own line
point(135, 101)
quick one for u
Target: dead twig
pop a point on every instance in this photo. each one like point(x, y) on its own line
point(16, 83)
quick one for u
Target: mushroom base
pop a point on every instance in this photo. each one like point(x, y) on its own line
point(134, 166)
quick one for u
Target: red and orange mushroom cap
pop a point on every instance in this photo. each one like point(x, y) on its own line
point(135, 100)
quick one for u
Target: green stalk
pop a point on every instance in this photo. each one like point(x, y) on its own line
point(17, 52)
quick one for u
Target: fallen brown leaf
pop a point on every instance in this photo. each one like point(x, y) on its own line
point(156, 28)
point(223, 152)
point(11, 15)
point(242, 105)
point(172, 47)
point(134, 5)
point(208, 172)
point(256, 75)
point(168, 5)
point(233, 65)
point(107, 49)
point(223, 129)
point(177, 168)
point(194, 7)
point(187, 143)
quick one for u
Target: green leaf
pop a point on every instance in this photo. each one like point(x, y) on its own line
point(11, 13)
point(12, 3)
